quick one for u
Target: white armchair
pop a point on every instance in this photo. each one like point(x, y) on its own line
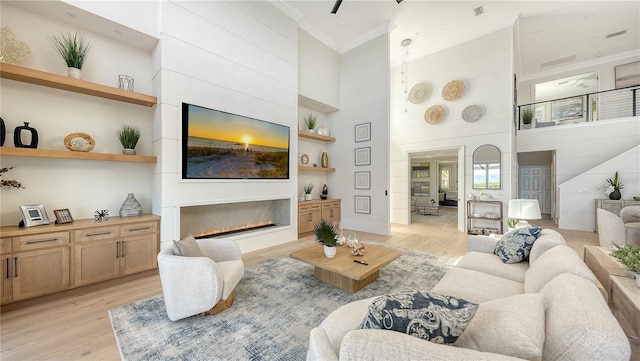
point(194, 285)
point(610, 228)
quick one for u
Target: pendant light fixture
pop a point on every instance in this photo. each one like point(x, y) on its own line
point(405, 54)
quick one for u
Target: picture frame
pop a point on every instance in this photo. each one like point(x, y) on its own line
point(568, 108)
point(33, 215)
point(362, 204)
point(63, 216)
point(362, 180)
point(627, 75)
point(363, 132)
point(363, 156)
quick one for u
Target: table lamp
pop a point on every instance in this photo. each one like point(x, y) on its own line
point(524, 210)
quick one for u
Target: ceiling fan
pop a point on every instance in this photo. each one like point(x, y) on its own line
point(336, 6)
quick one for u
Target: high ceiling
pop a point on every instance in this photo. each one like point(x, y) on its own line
point(550, 33)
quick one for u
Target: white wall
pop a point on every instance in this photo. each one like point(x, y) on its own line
point(319, 74)
point(485, 66)
point(238, 57)
point(364, 99)
point(81, 186)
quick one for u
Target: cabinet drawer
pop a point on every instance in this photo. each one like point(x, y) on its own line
point(309, 208)
point(44, 240)
point(330, 205)
point(138, 228)
point(96, 234)
point(5, 245)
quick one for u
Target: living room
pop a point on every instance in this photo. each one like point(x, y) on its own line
point(259, 66)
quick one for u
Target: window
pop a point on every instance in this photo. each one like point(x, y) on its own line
point(445, 179)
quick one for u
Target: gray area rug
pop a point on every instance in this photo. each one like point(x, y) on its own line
point(277, 303)
point(446, 215)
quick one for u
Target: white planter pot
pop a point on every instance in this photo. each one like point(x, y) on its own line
point(307, 197)
point(127, 151)
point(74, 73)
point(330, 252)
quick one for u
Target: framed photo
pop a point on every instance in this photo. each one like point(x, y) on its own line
point(363, 132)
point(363, 180)
point(627, 75)
point(363, 156)
point(363, 204)
point(63, 216)
point(33, 215)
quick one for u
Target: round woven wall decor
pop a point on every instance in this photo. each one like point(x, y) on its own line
point(472, 113)
point(419, 93)
point(453, 90)
point(435, 114)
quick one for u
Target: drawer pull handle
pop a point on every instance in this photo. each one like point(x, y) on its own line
point(122, 255)
point(138, 229)
point(7, 262)
point(117, 249)
point(43, 241)
point(15, 267)
point(98, 234)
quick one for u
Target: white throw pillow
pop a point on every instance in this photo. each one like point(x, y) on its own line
point(187, 247)
point(511, 326)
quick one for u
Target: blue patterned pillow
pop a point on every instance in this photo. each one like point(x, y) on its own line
point(515, 246)
point(429, 316)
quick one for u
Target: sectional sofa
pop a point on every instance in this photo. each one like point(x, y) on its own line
point(547, 308)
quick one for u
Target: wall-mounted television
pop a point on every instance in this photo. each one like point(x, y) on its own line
point(221, 145)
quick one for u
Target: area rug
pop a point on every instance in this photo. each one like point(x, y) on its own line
point(277, 303)
point(446, 215)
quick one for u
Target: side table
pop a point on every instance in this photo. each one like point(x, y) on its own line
point(603, 266)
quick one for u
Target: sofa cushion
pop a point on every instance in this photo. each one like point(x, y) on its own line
point(515, 246)
point(491, 264)
point(548, 239)
point(512, 326)
point(344, 319)
point(187, 247)
point(579, 325)
point(475, 286)
point(556, 261)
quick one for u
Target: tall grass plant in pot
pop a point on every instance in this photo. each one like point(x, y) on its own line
point(326, 235)
point(128, 136)
point(74, 49)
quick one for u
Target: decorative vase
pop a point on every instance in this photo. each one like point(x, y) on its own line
point(3, 132)
point(312, 131)
point(324, 131)
point(17, 136)
point(325, 160)
point(330, 252)
point(130, 207)
point(307, 196)
point(615, 195)
point(74, 73)
point(127, 151)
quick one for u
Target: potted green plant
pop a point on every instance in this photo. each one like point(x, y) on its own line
point(614, 185)
point(128, 136)
point(326, 235)
point(629, 256)
point(74, 49)
point(527, 116)
point(307, 191)
point(311, 121)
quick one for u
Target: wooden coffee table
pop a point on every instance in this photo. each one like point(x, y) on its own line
point(341, 271)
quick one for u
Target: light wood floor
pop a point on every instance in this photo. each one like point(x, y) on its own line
point(75, 325)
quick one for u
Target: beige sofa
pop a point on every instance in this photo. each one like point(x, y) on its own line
point(546, 309)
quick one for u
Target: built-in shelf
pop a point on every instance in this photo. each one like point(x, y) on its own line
point(314, 136)
point(37, 77)
point(315, 169)
point(66, 154)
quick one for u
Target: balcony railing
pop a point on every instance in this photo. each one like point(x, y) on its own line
point(609, 104)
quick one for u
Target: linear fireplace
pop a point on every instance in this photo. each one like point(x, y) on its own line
point(223, 219)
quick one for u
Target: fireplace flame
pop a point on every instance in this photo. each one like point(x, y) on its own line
point(232, 229)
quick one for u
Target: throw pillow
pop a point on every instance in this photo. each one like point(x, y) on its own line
point(512, 326)
point(515, 246)
point(429, 316)
point(187, 247)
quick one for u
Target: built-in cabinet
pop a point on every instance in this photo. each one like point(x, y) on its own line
point(614, 206)
point(311, 212)
point(484, 217)
point(36, 260)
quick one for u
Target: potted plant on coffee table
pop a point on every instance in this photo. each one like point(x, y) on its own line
point(326, 235)
point(629, 257)
point(128, 136)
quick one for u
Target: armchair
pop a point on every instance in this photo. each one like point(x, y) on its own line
point(629, 216)
point(610, 228)
point(193, 285)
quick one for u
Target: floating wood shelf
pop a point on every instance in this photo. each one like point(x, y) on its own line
point(315, 169)
point(37, 77)
point(66, 154)
point(314, 136)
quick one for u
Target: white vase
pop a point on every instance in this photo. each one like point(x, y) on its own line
point(127, 151)
point(74, 73)
point(330, 252)
point(307, 196)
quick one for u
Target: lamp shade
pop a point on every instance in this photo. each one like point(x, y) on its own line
point(524, 209)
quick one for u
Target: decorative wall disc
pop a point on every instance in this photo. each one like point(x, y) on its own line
point(472, 113)
point(435, 114)
point(79, 142)
point(453, 90)
point(419, 93)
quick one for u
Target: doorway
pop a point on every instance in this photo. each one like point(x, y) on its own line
point(536, 179)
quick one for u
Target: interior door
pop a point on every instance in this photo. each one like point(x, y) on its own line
point(535, 183)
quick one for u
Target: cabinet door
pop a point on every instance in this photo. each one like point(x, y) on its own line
point(7, 275)
point(40, 272)
point(96, 261)
point(138, 253)
point(308, 217)
point(331, 212)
